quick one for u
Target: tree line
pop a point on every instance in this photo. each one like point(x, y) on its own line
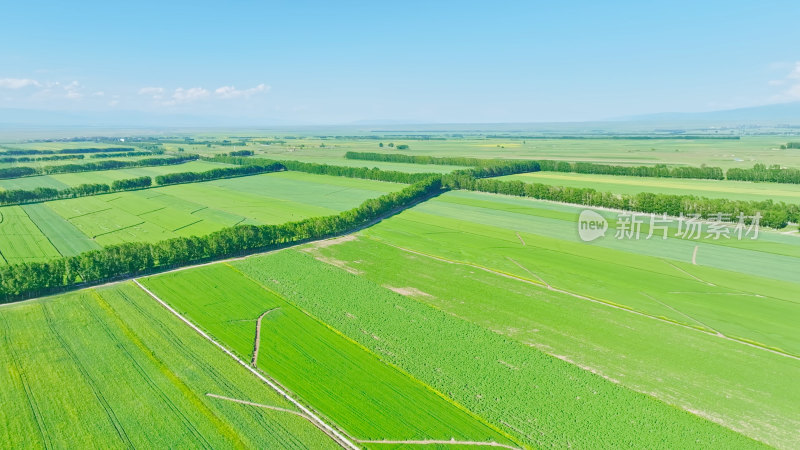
point(774, 214)
point(127, 154)
point(19, 159)
point(25, 171)
point(327, 169)
point(213, 174)
point(241, 153)
point(31, 279)
point(760, 172)
point(42, 194)
point(660, 170)
point(66, 151)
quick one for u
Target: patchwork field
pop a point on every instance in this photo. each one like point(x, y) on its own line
point(535, 397)
point(112, 367)
point(637, 312)
point(734, 190)
point(67, 227)
point(723, 153)
point(467, 320)
point(371, 399)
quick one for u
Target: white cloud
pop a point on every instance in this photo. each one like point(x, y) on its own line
point(155, 92)
point(186, 95)
point(182, 95)
point(226, 92)
point(795, 73)
point(98, 94)
point(17, 83)
point(71, 90)
point(792, 81)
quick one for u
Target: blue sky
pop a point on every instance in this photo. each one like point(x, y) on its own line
point(337, 62)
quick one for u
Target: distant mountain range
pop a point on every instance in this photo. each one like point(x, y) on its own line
point(784, 113)
point(781, 113)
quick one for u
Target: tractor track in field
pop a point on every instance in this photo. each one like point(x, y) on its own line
point(598, 301)
point(140, 370)
point(90, 381)
point(23, 378)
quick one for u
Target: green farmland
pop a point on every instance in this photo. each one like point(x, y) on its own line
point(412, 316)
point(636, 312)
point(114, 366)
point(41, 231)
point(303, 353)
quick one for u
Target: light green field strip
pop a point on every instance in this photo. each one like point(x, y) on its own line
point(367, 398)
point(31, 183)
point(734, 190)
point(64, 180)
point(67, 239)
point(533, 396)
point(738, 305)
point(114, 368)
point(560, 222)
point(21, 240)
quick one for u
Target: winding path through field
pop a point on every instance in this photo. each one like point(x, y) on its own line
point(254, 361)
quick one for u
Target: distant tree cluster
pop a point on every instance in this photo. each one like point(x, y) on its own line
point(241, 153)
point(760, 172)
point(131, 183)
point(31, 279)
point(790, 145)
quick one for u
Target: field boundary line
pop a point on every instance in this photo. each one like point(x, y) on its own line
point(439, 442)
point(598, 301)
point(259, 405)
point(687, 273)
point(330, 431)
point(683, 314)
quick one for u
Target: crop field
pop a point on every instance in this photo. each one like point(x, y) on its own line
point(113, 367)
point(723, 153)
point(371, 398)
point(637, 312)
point(734, 190)
point(44, 230)
point(535, 397)
point(435, 318)
point(65, 180)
